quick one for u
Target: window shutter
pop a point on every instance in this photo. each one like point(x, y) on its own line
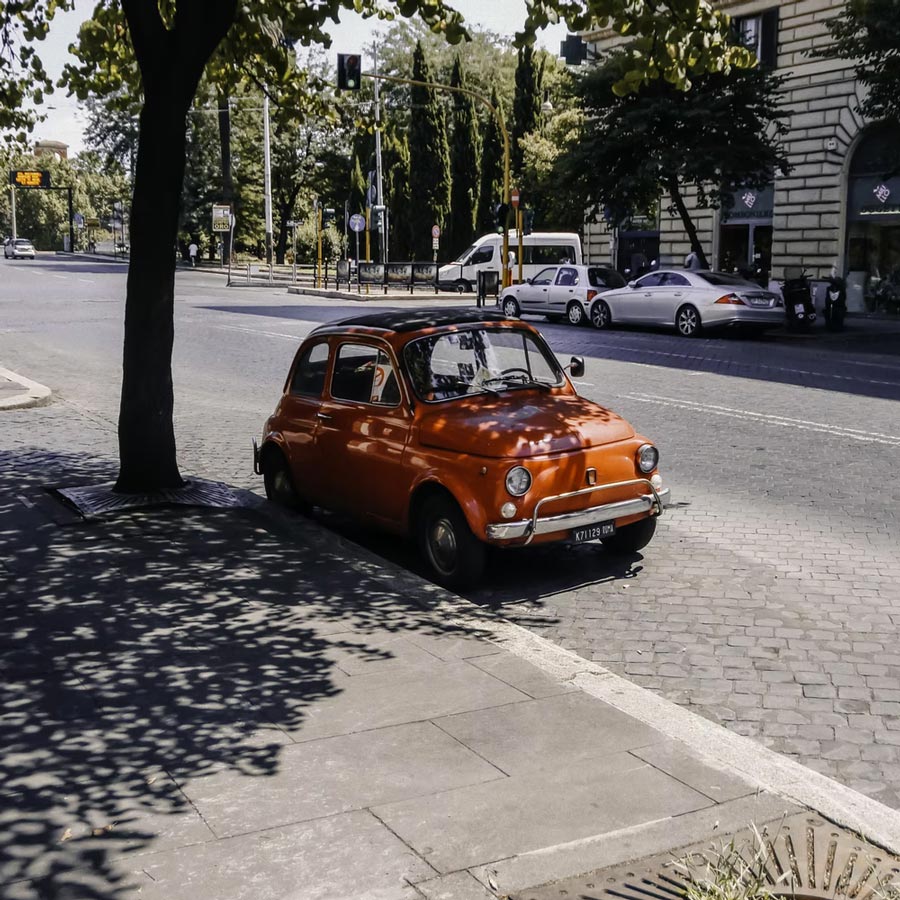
point(768, 55)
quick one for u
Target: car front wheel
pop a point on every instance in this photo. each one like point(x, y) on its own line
point(687, 321)
point(510, 308)
point(463, 286)
point(600, 315)
point(455, 556)
point(631, 538)
point(575, 314)
point(278, 481)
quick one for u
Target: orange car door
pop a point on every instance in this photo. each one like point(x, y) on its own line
point(364, 426)
point(300, 407)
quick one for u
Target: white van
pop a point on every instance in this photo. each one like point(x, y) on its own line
point(539, 249)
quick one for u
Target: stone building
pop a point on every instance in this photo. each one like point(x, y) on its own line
point(837, 210)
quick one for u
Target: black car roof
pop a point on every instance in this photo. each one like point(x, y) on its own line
point(400, 320)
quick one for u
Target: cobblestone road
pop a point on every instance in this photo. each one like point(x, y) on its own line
point(769, 600)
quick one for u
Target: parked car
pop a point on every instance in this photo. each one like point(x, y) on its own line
point(560, 292)
point(690, 301)
point(459, 428)
point(20, 248)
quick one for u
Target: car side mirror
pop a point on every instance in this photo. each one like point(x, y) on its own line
point(576, 366)
point(528, 281)
point(632, 284)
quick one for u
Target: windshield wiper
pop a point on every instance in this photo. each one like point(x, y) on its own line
point(519, 379)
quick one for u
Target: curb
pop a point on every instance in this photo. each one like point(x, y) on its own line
point(33, 394)
point(713, 744)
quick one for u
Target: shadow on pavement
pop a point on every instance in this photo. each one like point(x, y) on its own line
point(146, 649)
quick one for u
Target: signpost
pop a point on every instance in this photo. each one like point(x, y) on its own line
point(37, 178)
point(435, 239)
point(357, 224)
point(514, 200)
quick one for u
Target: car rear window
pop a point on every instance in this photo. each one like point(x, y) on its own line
point(724, 279)
point(605, 278)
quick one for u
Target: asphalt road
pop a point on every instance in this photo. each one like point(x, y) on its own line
point(769, 600)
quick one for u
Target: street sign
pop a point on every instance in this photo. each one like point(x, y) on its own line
point(435, 231)
point(91, 222)
point(29, 178)
point(435, 244)
point(514, 199)
point(357, 222)
point(221, 217)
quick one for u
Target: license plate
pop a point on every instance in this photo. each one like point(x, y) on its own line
point(760, 301)
point(593, 532)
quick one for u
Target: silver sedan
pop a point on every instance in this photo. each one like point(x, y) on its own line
point(690, 301)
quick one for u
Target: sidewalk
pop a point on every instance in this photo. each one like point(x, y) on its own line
point(236, 704)
point(18, 392)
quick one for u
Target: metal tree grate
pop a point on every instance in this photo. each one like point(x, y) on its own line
point(92, 501)
point(803, 857)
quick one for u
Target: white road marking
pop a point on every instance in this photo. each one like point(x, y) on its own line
point(855, 434)
point(26, 501)
point(280, 334)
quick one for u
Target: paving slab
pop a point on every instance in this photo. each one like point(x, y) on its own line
point(562, 730)
point(334, 775)
point(539, 808)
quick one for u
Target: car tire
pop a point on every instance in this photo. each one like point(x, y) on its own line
point(575, 314)
point(688, 322)
point(278, 480)
point(510, 308)
point(454, 555)
point(631, 538)
point(601, 317)
point(463, 286)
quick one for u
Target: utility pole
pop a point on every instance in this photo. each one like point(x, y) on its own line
point(12, 200)
point(267, 182)
point(379, 188)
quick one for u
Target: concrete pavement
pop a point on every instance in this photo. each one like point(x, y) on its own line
point(236, 703)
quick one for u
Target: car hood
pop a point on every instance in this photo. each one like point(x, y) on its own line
point(521, 423)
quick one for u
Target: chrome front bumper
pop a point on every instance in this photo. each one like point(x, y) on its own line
point(504, 531)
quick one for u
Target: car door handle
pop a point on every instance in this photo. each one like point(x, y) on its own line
point(677, 294)
point(321, 415)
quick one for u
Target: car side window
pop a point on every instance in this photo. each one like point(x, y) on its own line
point(567, 277)
point(545, 276)
point(673, 279)
point(364, 374)
point(654, 279)
point(309, 375)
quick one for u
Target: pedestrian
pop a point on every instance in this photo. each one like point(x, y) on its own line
point(193, 250)
point(692, 261)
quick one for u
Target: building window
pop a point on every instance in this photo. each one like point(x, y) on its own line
point(759, 33)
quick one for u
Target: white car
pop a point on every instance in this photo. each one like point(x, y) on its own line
point(20, 248)
point(690, 301)
point(560, 292)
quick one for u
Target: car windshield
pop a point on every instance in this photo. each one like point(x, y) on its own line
point(722, 279)
point(478, 361)
point(21, 242)
point(464, 255)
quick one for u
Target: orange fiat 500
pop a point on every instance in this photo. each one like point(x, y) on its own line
point(460, 428)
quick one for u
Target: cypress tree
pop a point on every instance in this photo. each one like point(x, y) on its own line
point(526, 103)
point(465, 168)
point(429, 161)
point(491, 188)
point(395, 160)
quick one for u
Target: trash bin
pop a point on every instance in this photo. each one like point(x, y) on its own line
point(486, 282)
point(835, 304)
point(799, 309)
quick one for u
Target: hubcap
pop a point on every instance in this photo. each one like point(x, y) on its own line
point(509, 308)
point(442, 545)
point(688, 321)
point(599, 316)
point(575, 314)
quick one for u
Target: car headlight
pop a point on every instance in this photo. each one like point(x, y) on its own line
point(647, 458)
point(518, 481)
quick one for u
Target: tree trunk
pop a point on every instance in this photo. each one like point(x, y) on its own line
point(171, 61)
point(687, 222)
point(227, 180)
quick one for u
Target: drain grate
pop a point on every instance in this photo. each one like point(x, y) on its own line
point(92, 501)
point(804, 857)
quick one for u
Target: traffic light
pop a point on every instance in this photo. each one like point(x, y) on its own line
point(376, 222)
point(327, 217)
point(501, 212)
point(349, 71)
point(527, 221)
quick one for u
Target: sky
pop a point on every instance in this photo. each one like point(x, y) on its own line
point(65, 121)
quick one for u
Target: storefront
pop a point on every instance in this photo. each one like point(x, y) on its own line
point(873, 223)
point(745, 234)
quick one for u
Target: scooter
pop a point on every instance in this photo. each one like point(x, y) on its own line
point(798, 303)
point(835, 303)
